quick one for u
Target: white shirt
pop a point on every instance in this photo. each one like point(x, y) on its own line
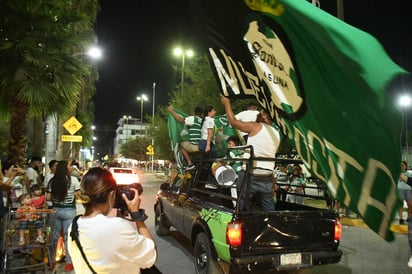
point(17, 188)
point(112, 245)
point(32, 174)
point(265, 145)
point(208, 123)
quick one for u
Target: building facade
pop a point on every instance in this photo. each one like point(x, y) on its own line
point(128, 128)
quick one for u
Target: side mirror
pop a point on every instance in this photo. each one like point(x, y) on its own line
point(165, 186)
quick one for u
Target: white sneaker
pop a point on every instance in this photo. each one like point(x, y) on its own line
point(410, 262)
point(40, 239)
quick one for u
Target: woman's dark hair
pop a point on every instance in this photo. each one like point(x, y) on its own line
point(96, 186)
point(60, 182)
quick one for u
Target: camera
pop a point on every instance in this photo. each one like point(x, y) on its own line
point(126, 189)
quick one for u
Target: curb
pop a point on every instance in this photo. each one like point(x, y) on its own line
point(400, 229)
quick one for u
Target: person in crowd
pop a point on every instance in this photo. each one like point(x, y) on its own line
point(248, 115)
point(26, 214)
point(15, 183)
point(282, 180)
point(207, 129)
point(52, 168)
point(194, 126)
point(76, 172)
point(128, 245)
point(62, 190)
point(405, 192)
point(38, 198)
point(297, 185)
point(34, 170)
point(265, 141)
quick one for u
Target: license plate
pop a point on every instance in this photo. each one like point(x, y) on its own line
point(291, 259)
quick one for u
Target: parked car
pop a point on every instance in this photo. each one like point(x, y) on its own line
point(226, 239)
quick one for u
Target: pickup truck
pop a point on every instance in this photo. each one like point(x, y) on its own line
point(226, 239)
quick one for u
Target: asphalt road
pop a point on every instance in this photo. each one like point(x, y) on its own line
point(363, 251)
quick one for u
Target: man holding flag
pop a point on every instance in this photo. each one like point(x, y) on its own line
point(324, 83)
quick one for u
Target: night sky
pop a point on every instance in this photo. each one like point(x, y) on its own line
point(137, 38)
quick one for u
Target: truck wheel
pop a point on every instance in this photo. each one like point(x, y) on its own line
point(161, 226)
point(204, 262)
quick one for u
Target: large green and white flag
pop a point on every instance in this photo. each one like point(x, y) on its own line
point(324, 83)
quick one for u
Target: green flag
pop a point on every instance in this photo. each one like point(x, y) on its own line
point(179, 133)
point(324, 82)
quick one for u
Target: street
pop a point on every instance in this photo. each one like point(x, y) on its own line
point(363, 250)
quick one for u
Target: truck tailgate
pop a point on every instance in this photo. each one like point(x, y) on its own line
point(273, 237)
point(292, 230)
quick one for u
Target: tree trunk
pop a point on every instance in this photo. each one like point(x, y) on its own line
point(17, 143)
point(37, 140)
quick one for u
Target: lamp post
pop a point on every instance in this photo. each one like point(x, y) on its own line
point(141, 98)
point(182, 53)
point(405, 101)
point(153, 111)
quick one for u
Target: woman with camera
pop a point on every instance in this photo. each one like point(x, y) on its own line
point(100, 241)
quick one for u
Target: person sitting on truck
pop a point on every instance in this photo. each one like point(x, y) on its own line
point(194, 123)
point(265, 141)
point(232, 141)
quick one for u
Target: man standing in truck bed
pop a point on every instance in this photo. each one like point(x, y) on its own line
point(265, 141)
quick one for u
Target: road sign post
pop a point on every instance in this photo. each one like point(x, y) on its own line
point(72, 126)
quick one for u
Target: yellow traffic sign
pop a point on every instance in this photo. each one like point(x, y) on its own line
point(150, 150)
point(72, 138)
point(72, 125)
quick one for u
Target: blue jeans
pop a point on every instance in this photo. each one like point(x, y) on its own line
point(259, 190)
point(37, 224)
point(202, 146)
point(64, 217)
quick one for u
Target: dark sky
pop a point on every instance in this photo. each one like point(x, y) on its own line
point(137, 38)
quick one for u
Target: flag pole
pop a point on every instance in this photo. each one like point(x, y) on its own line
point(339, 5)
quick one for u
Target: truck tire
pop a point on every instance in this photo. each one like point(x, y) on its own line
point(204, 262)
point(161, 226)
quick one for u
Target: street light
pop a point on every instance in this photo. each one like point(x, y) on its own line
point(95, 52)
point(141, 98)
point(405, 101)
point(182, 52)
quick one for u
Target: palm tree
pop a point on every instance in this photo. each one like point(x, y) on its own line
point(41, 72)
